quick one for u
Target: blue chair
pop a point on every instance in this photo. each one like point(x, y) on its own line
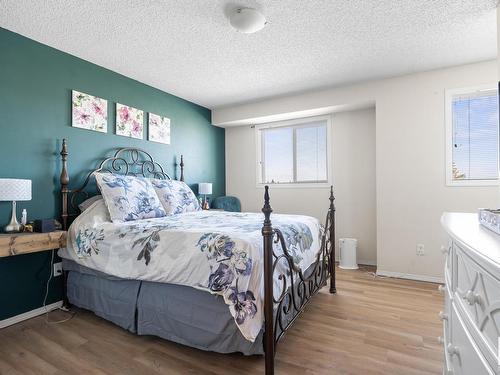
point(231, 204)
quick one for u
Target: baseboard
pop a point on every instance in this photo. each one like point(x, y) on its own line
point(30, 314)
point(362, 262)
point(409, 276)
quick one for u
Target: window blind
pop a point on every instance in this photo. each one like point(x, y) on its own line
point(295, 154)
point(475, 135)
point(278, 155)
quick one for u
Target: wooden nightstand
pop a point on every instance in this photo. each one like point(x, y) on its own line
point(24, 243)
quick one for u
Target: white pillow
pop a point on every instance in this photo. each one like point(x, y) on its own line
point(175, 196)
point(88, 202)
point(129, 198)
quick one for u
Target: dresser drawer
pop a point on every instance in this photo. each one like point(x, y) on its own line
point(447, 365)
point(447, 280)
point(478, 295)
point(462, 354)
point(446, 338)
point(444, 315)
point(449, 260)
point(448, 253)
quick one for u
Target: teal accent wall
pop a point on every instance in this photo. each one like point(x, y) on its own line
point(35, 115)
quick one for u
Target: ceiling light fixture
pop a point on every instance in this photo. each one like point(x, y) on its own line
point(247, 20)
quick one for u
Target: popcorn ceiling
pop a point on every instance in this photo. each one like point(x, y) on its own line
point(188, 48)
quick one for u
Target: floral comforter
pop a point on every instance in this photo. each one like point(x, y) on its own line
point(219, 252)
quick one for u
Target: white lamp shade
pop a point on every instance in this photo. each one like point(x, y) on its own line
point(12, 189)
point(205, 188)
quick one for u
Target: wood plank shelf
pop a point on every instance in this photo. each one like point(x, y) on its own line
point(25, 243)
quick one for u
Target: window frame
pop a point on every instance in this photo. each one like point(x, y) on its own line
point(295, 123)
point(449, 94)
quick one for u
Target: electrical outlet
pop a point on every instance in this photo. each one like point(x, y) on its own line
point(420, 249)
point(58, 269)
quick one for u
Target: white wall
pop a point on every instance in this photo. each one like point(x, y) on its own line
point(410, 160)
point(353, 142)
point(354, 180)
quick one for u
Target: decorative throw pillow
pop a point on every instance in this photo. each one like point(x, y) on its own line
point(175, 196)
point(129, 198)
point(88, 202)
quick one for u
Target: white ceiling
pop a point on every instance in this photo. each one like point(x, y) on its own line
point(188, 48)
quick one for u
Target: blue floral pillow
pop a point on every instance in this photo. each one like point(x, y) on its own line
point(175, 196)
point(129, 198)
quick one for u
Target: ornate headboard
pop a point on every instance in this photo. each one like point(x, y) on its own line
point(125, 161)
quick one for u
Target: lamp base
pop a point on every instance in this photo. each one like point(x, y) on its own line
point(205, 205)
point(13, 226)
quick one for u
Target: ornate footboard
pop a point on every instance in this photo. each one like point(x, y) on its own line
point(297, 288)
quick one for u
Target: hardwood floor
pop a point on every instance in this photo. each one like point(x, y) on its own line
point(372, 326)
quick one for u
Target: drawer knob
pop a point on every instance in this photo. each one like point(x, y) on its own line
point(441, 288)
point(452, 349)
point(440, 340)
point(443, 316)
point(445, 250)
point(472, 297)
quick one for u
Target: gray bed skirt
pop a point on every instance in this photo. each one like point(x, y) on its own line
point(177, 313)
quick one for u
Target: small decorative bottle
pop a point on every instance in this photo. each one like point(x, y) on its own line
point(24, 217)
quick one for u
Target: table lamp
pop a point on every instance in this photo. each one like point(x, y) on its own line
point(205, 188)
point(12, 189)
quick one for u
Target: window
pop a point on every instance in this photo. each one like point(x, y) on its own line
point(472, 136)
point(294, 152)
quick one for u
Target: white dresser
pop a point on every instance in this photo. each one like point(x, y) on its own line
point(471, 316)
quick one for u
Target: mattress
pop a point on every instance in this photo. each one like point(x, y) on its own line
point(215, 252)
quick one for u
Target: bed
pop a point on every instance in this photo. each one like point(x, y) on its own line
point(218, 281)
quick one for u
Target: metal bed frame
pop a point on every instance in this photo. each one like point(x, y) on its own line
point(296, 288)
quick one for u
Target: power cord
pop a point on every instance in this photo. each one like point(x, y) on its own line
point(375, 276)
point(47, 320)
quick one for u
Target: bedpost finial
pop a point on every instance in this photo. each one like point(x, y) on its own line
point(64, 171)
point(332, 198)
point(64, 149)
point(267, 207)
point(182, 168)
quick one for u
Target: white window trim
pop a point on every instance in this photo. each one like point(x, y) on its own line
point(449, 94)
point(298, 121)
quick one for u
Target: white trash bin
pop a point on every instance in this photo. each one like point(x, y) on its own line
point(348, 248)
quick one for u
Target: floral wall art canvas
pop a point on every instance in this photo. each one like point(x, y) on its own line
point(129, 121)
point(89, 112)
point(159, 129)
